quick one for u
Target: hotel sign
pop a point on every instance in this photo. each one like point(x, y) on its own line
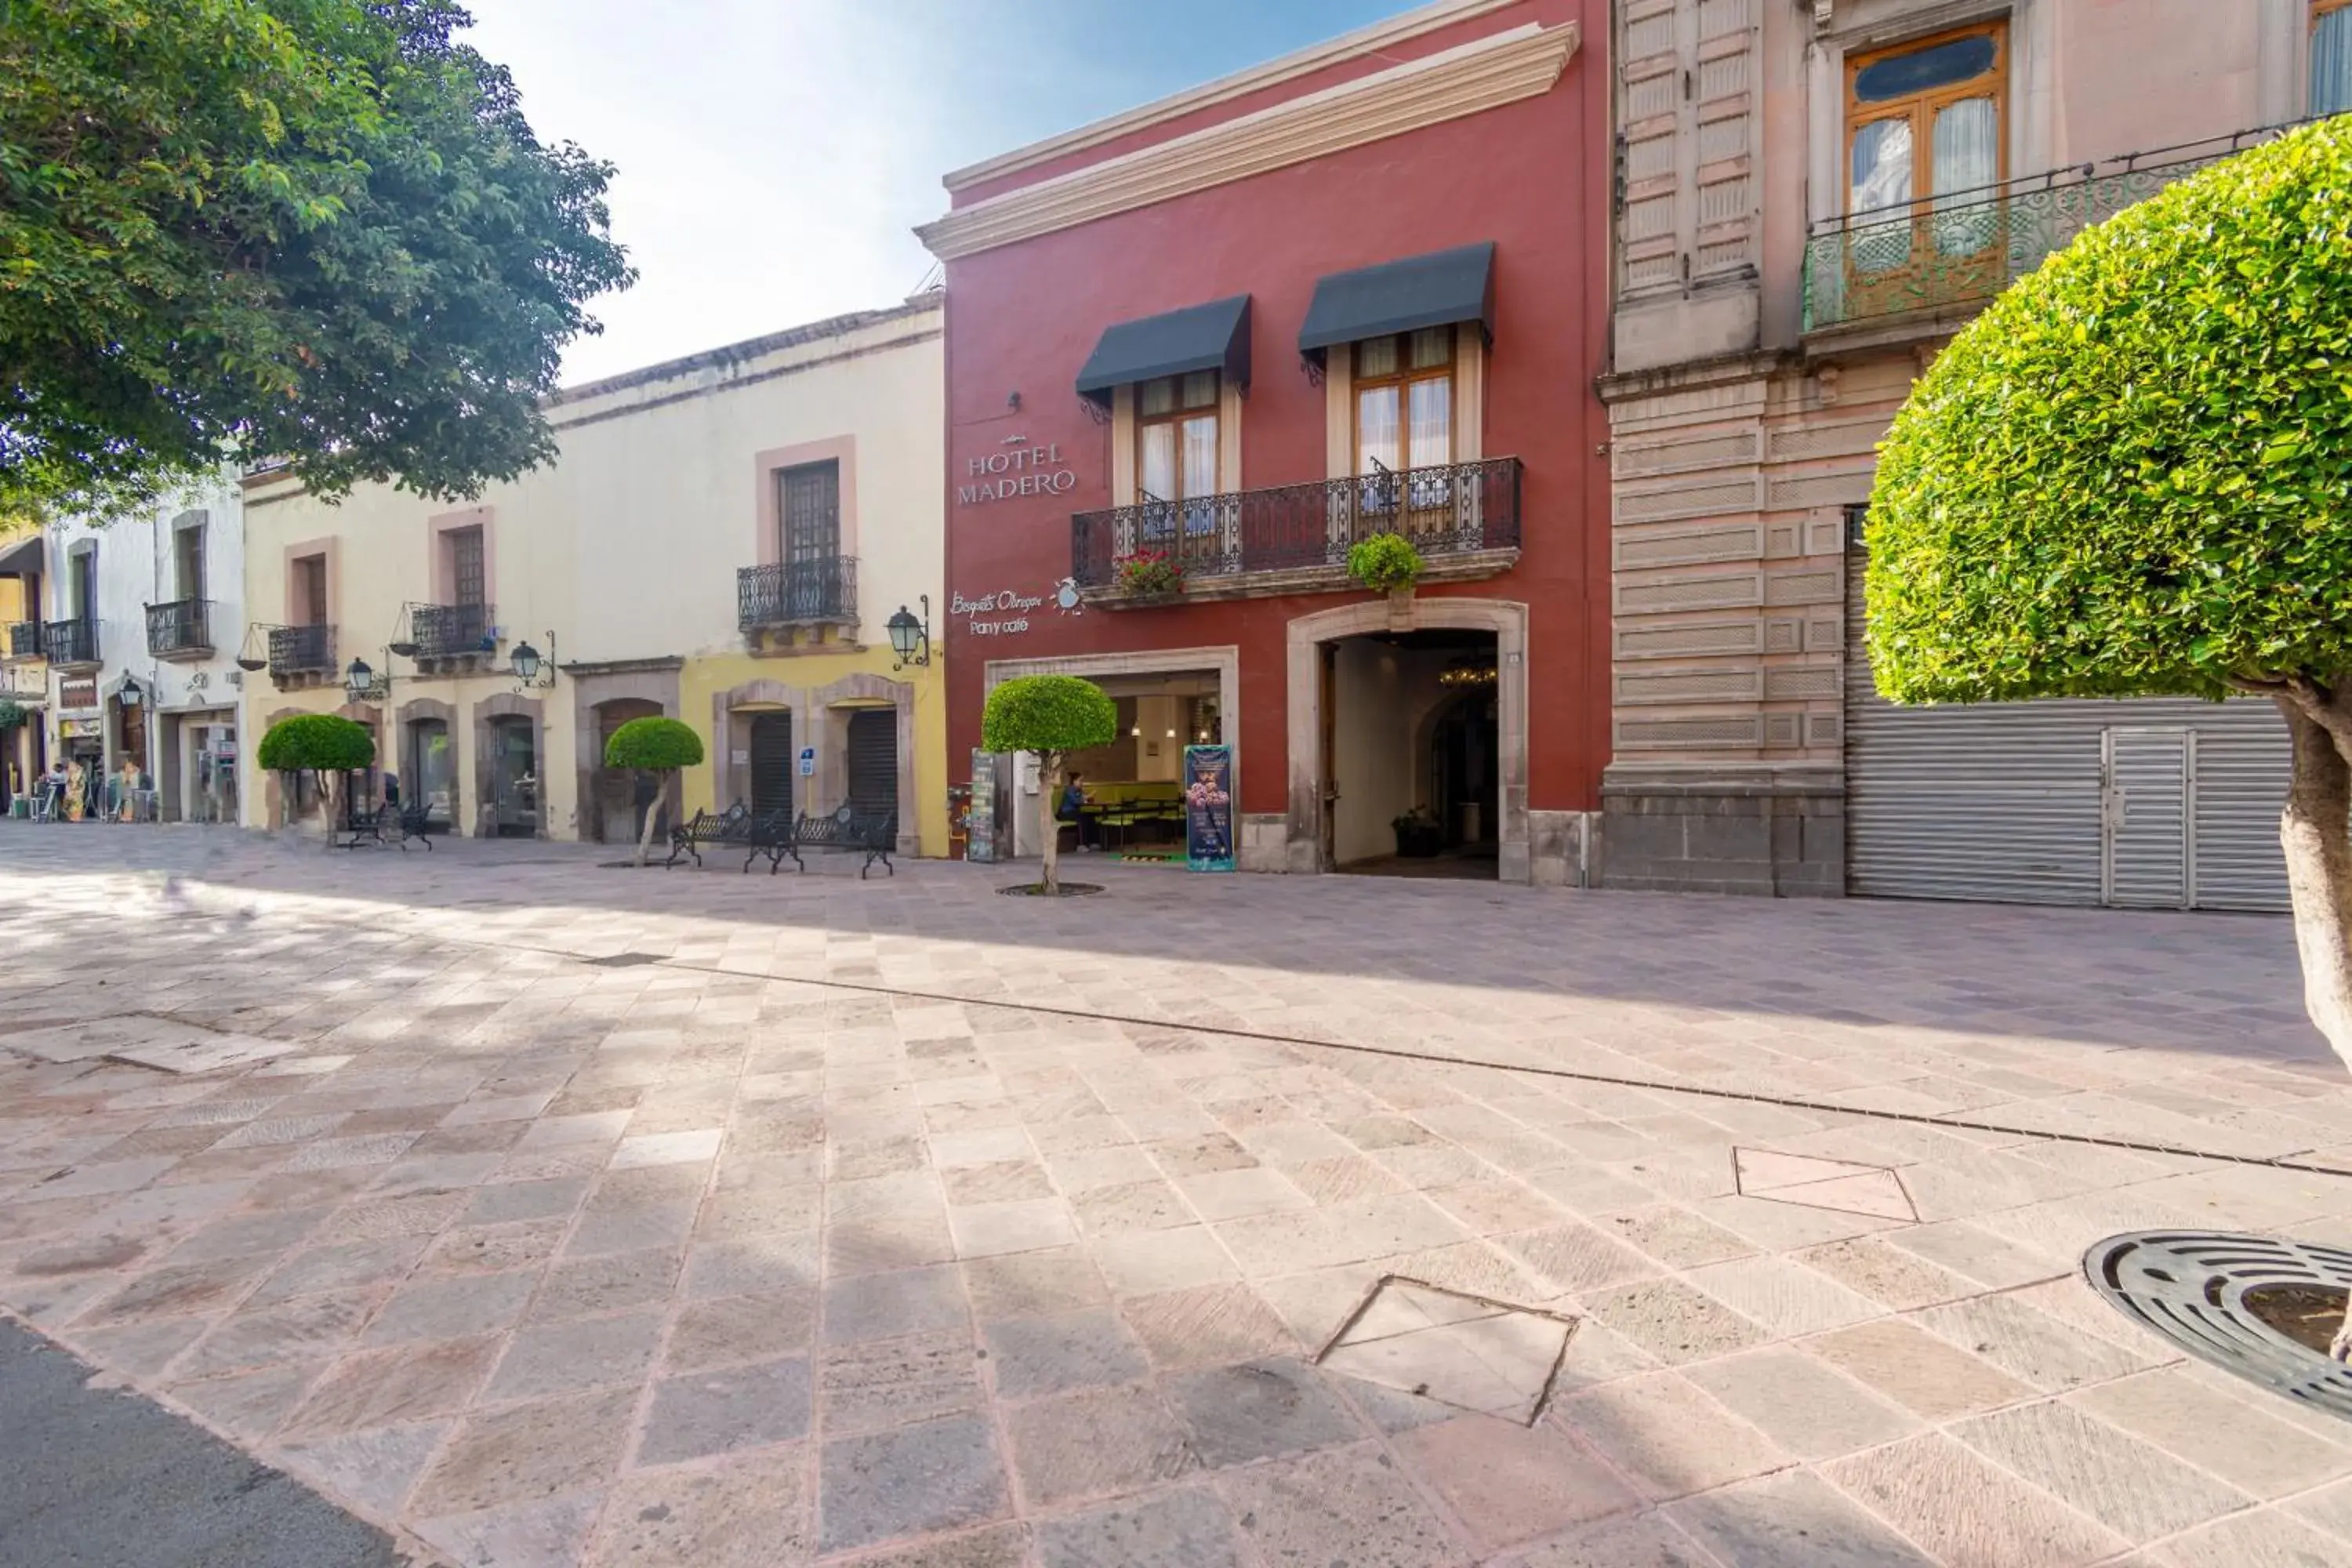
point(1022, 469)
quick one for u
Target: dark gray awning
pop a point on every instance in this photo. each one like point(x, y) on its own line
point(1214, 336)
point(22, 559)
point(1438, 290)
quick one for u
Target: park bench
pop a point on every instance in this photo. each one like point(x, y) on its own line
point(408, 821)
point(738, 827)
point(874, 834)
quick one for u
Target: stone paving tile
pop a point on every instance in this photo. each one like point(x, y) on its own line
point(699, 1414)
point(1185, 1528)
point(1054, 1355)
point(1511, 1483)
point(2129, 1486)
point(1345, 1506)
point(2245, 1445)
point(1792, 1519)
point(1259, 1409)
point(938, 1475)
point(1097, 1443)
point(547, 1359)
point(1960, 1509)
point(526, 1452)
point(880, 1383)
point(751, 1512)
point(1639, 1540)
point(1645, 1424)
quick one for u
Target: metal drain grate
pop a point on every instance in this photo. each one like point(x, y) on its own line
point(2191, 1287)
point(623, 960)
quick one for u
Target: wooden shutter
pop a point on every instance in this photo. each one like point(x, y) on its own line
point(1687, 110)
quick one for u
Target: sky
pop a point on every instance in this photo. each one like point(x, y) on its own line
point(774, 155)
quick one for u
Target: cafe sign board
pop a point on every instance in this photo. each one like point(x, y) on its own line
point(1209, 807)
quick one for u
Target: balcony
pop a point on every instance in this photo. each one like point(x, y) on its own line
point(71, 645)
point(296, 652)
point(181, 629)
point(1463, 519)
point(785, 595)
point(443, 632)
point(1934, 262)
point(22, 642)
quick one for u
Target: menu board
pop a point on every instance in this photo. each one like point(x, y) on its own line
point(980, 835)
point(1209, 807)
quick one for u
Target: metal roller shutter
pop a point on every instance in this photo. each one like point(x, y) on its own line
point(2150, 803)
point(874, 759)
point(771, 761)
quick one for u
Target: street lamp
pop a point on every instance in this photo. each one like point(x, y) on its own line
point(128, 695)
point(527, 662)
point(911, 638)
point(358, 680)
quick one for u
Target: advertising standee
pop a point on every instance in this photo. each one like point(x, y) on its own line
point(1209, 807)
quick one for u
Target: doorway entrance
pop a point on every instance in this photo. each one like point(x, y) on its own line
point(1410, 754)
point(514, 778)
point(616, 790)
point(428, 771)
point(1133, 789)
point(771, 761)
point(874, 761)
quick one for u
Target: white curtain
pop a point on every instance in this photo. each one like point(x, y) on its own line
point(1966, 149)
point(2331, 63)
point(1880, 182)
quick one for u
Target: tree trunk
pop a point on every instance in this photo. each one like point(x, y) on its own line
point(2315, 832)
point(331, 786)
point(645, 837)
point(1049, 768)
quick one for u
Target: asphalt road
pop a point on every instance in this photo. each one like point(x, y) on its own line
point(98, 1478)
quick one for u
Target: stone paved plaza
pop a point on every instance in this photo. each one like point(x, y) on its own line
point(553, 1213)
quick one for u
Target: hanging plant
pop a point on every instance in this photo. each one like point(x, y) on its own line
point(13, 714)
point(1150, 574)
point(1385, 563)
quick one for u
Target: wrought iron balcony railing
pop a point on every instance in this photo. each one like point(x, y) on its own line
point(1458, 510)
point(301, 650)
point(1964, 246)
point(180, 629)
point(797, 593)
point(70, 642)
point(24, 640)
point(451, 631)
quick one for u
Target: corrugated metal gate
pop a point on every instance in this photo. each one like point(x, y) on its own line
point(874, 759)
point(771, 761)
point(2157, 803)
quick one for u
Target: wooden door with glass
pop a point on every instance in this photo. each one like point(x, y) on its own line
point(1926, 221)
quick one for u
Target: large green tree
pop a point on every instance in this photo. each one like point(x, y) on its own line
point(2132, 476)
point(316, 230)
point(1052, 715)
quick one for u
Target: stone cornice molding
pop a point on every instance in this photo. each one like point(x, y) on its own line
point(1523, 62)
point(1371, 40)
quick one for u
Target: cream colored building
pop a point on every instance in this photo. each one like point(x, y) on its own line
point(1813, 195)
point(721, 539)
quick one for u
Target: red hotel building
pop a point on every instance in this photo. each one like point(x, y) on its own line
point(1359, 289)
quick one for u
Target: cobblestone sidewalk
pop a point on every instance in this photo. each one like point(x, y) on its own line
point(558, 1213)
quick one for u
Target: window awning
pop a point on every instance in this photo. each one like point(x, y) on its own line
point(1214, 336)
point(22, 559)
point(1438, 290)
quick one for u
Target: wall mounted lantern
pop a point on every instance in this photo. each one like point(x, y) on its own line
point(911, 638)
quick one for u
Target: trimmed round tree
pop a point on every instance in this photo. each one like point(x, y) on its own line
point(656, 746)
point(1052, 715)
point(2132, 476)
point(327, 745)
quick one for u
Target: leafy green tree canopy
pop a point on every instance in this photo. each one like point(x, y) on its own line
point(317, 230)
point(2132, 475)
point(316, 743)
point(1047, 713)
point(653, 746)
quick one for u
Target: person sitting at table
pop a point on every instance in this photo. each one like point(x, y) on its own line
point(1073, 806)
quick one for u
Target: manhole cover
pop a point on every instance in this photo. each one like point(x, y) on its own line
point(142, 1039)
point(2252, 1305)
point(1469, 1352)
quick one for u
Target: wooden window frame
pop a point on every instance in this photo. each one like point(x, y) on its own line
point(1402, 378)
point(782, 480)
point(1178, 415)
point(1923, 107)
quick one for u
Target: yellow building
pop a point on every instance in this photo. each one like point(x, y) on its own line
point(23, 673)
point(723, 539)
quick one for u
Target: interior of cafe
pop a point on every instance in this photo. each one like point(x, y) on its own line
point(1133, 787)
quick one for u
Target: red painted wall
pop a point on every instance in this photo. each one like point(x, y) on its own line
point(1533, 177)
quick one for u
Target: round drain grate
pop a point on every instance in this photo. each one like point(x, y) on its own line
point(2193, 1288)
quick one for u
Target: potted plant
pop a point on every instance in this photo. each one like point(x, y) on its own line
point(1418, 835)
point(1150, 574)
point(1387, 564)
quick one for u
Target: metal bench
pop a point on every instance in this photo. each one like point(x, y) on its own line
point(768, 834)
point(386, 826)
point(874, 834)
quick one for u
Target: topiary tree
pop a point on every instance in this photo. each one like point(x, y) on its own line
point(1052, 715)
point(325, 744)
point(656, 746)
point(2132, 476)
